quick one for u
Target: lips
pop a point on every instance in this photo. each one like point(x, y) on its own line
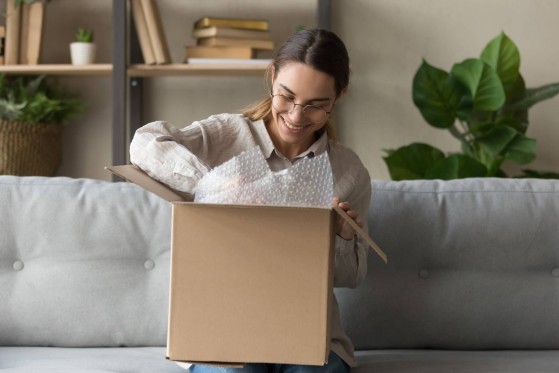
point(292, 127)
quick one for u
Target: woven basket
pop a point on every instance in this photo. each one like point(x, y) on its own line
point(29, 149)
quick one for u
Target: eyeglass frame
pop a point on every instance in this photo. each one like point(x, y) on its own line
point(272, 95)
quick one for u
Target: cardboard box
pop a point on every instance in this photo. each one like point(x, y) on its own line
point(248, 283)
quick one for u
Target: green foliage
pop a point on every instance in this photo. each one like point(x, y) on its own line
point(484, 104)
point(84, 35)
point(20, 2)
point(32, 99)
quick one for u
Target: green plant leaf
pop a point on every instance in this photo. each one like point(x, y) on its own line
point(511, 122)
point(412, 162)
point(434, 96)
point(11, 110)
point(495, 141)
point(508, 143)
point(483, 83)
point(502, 55)
point(33, 99)
point(84, 35)
point(534, 95)
point(521, 150)
point(456, 166)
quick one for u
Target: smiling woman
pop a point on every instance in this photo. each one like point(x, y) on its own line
point(307, 76)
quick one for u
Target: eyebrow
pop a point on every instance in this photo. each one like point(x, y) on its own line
point(312, 100)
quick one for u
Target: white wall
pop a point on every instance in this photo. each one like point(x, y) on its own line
point(386, 39)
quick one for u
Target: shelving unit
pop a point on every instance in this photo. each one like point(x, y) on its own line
point(127, 75)
point(58, 69)
point(141, 70)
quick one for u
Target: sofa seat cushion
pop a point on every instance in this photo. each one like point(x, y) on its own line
point(76, 360)
point(441, 361)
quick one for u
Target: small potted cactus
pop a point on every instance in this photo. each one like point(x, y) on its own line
point(82, 51)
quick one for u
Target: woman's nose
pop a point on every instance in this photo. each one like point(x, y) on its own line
point(297, 114)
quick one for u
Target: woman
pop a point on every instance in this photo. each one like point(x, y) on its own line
point(308, 75)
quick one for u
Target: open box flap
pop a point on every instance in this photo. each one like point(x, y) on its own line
point(135, 175)
point(139, 177)
point(362, 233)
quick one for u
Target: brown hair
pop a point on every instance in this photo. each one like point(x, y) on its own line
point(320, 49)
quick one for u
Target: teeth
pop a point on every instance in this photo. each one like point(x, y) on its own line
point(298, 128)
point(293, 127)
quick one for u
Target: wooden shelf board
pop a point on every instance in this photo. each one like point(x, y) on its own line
point(138, 70)
point(58, 69)
point(196, 69)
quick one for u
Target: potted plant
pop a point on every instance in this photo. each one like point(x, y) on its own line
point(32, 111)
point(484, 104)
point(82, 51)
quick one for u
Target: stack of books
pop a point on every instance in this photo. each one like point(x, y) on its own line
point(228, 40)
point(151, 34)
point(22, 33)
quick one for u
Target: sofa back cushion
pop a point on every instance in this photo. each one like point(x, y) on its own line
point(82, 263)
point(473, 264)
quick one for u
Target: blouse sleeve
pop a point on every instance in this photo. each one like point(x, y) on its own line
point(350, 264)
point(167, 154)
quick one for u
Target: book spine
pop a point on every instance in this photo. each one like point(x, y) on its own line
point(230, 32)
point(13, 18)
point(219, 52)
point(142, 32)
point(156, 32)
point(35, 32)
point(2, 43)
point(23, 33)
point(249, 24)
point(232, 42)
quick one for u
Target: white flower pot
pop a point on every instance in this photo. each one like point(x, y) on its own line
point(82, 53)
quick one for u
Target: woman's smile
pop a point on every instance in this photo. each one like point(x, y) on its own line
point(293, 127)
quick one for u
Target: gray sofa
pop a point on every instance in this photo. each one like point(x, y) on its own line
point(472, 283)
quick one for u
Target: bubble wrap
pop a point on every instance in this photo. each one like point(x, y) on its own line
point(247, 179)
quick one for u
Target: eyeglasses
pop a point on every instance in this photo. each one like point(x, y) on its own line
point(313, 113)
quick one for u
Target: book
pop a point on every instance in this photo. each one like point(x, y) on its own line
point(142, 32)
point(156, 32)
point(13, 18)
point(254, 62)
point(35, 20)
point(218, 52)
point(250, 24)
point(23, 32)
point(233, 42)
point(2, 39)
point(230, 33)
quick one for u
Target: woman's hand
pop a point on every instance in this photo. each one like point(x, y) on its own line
point(343, 229)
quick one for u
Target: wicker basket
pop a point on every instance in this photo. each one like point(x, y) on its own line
point(29, 149)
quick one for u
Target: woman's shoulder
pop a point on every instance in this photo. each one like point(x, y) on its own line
point(224, 119)
point(340, 153)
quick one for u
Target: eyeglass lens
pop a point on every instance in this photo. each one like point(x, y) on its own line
point(284, 104)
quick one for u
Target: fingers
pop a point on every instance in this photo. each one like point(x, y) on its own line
point(347, 208)
point(351, 213)
point(335, 201)
point(360, 223)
